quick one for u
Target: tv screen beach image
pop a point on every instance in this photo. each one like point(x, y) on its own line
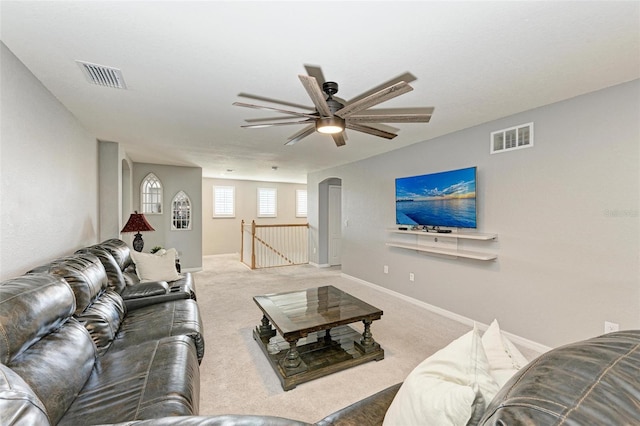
point(445, 199)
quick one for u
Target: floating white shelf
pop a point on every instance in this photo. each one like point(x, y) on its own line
point(444, 243)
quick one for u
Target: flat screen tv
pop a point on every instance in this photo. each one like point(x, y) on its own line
point(444, 199)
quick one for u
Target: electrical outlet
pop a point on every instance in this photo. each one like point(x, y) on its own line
point(610, 327)
point(411, 276)
point(385, 268)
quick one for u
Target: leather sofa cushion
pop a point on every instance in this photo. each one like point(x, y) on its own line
point(593, 382)
point(115, 280)
point(178, 317)
point(368, 411)
point(84, 273)
point(103, 318)
point(27, 315)
point(18, 404)
point(57, 366)
point(120, 252)
point(154, 379)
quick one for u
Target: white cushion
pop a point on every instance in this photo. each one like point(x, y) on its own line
point(152, 267)
point(504, 358)
point(442, 389)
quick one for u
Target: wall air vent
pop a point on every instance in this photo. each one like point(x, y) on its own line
point(102, 76)
point(512, 138)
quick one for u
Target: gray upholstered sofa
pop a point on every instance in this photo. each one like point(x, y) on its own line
point(71, 351)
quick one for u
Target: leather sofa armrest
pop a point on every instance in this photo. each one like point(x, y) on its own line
point(151, 288)
point(185, 283)
point(223, 420)
point(369, 411)
point(140, 302)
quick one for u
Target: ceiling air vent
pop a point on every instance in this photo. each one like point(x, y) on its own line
point(512, 138)
point(102, 76)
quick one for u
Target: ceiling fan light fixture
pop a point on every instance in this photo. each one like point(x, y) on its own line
point(330, 125)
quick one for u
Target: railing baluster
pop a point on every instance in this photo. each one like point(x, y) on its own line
point(275, 245)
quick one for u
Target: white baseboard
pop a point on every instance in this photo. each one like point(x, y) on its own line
point(320, 265)
point(191, 269)
point(530, 344)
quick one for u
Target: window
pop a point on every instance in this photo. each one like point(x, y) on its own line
point(151, 195)
point(181, 212)
point(267, 205)
point(224, 201)
point(301, 203)
point(512, 138)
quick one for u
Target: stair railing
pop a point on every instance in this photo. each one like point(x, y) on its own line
point(266, 246)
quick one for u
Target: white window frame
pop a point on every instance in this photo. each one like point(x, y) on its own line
point(181, 212)
point(151, 193)
point(301, 203)
point(225, 207)
point(267, 202)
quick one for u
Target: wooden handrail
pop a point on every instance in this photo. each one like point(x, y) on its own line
point(288, 225)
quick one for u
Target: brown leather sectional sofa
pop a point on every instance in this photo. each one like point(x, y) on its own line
point(591, 382)
point(72, 351)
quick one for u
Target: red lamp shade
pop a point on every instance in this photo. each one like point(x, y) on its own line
point(137, 223)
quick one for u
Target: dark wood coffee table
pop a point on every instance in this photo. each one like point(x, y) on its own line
point(314, 338)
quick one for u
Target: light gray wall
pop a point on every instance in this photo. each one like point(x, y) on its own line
point(109, 189)
point(49, 170)
point(565, 211)
point(174, 179)
point(222, 235)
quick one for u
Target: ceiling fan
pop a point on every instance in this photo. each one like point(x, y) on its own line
point(332, 115)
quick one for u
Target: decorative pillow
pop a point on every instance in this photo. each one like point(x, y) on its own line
point(151, 267)
point(504, 358)
point(450, 387)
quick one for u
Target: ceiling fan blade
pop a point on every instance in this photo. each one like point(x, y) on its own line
point(260, 126)
point(301, 134)
point(257, 120)
point(274, 101)
point(315, 93)
point(339, 139)
point(370, 130)
point(315, 72)
point(383, 127)
point(283, 111)
point(407, 77)
point(375, 99)
point(393, 115)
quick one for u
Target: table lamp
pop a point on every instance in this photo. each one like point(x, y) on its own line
point(137, 223)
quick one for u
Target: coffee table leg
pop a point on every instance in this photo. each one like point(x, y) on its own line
point(327, 336)
point(367, 338)
point(366, 343)
point(265, 331)
point(292, 360)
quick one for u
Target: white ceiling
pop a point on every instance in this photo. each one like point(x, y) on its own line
point(185, 62)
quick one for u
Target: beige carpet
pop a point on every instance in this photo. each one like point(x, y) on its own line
point(235, 376)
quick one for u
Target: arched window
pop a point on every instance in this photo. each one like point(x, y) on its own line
point(151, 195)
point(181, 212)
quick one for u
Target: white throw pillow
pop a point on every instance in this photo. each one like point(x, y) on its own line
point(504, 358)
point(441, 390)
point(152, 267)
